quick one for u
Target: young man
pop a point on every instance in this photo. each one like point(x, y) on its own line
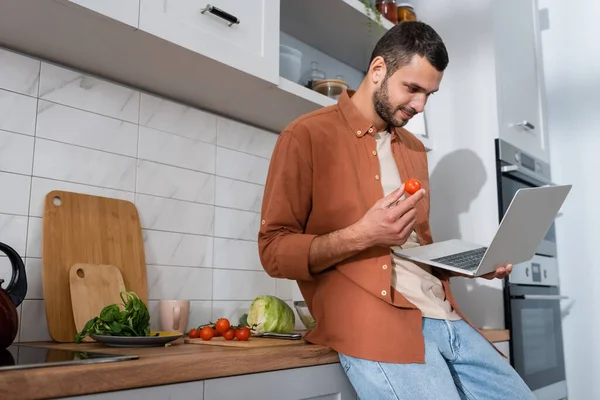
point(334, 204)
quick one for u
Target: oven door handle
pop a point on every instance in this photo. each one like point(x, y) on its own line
point(522, 173)
point(540, 297)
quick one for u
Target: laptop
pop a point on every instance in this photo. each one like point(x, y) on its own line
point(522, 229)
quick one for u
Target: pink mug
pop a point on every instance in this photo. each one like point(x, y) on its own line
point(174, 315)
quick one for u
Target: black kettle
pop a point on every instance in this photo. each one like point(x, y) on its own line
point(11, 297)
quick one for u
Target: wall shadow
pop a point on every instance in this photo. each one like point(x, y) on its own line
point(456, 182)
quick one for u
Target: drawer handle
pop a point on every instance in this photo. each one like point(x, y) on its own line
point(526, 125)
point(232, 19)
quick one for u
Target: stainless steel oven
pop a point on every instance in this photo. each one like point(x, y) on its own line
point(532, 299)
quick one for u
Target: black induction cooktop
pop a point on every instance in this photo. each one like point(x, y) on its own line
point(20, 356)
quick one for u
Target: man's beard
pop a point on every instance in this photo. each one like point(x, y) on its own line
point(385, 110)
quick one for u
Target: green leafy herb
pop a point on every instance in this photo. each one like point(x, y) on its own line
point(133, 320)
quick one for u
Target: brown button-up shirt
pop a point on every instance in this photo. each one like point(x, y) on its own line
point(324, 176)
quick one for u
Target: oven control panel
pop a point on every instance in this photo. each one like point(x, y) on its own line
point(540, 270)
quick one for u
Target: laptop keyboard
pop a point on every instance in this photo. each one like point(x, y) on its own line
point(468, 260)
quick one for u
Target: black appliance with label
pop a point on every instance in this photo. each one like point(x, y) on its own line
point(532, 300)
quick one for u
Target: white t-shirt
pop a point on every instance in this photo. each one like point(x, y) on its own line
point(413, 280)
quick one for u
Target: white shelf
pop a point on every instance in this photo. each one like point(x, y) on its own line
point(339, 28)
point(305, 93)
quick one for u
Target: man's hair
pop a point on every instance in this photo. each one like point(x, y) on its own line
point(405, 40)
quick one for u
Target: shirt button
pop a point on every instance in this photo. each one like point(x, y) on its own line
point(374, 153)
point(358, 133)
point(370, 130)
point(384, 266)
point(263, 222)
point(383, 293)
point(377, 177)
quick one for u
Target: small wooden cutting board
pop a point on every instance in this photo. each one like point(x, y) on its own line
point(252, 342)
point(93, 287)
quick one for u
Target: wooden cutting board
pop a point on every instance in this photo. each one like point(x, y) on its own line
point(250, 343)
point(93, 287)
point(79, 228)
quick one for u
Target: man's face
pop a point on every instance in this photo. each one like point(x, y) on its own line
point(403, 94)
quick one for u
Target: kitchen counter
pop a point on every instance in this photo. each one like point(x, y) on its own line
point(177, 363)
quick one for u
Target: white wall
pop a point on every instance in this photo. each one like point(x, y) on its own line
point(462, 123)
point(572, 71)
point(196, 179)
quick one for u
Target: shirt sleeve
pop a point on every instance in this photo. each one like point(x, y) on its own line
point(283, 244)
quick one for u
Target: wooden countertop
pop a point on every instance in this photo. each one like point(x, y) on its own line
point(177, 363)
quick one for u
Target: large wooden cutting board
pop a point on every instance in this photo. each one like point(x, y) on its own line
point(79, 228)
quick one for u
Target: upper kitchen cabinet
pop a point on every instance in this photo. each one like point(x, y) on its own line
point(520, 77)
point(126, 11)
point(344, 29)
point(240, 34)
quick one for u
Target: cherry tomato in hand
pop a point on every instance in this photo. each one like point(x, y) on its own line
point(412, 186)
point(229, 334)
point(242, 333)
point(222, 325)
point(194, 333)
point(207, 333)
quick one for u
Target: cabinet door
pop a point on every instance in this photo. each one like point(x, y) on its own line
point(252, 45)
point(519, 83)
point(188, 391)
point(325, 382)
point(126, 11)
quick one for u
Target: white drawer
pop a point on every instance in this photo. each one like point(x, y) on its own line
point(252, 45)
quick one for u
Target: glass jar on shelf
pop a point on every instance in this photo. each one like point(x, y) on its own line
point(406, 12)
point(388, 9)
point(311, 76)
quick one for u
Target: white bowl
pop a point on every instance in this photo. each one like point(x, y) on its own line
point(290, 63)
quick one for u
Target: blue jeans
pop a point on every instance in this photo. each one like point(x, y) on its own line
point(459, 364)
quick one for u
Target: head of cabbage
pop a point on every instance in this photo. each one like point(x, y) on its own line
point(271, 314)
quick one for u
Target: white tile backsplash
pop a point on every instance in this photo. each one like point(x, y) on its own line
point(179, 283)
point(236, 254)
point(34, 237)
point(242, 166)
point(19, 73)
point(236, 224)
point(15, 193)
point(168, 116)
point(170, 149)
point(33, 271)
point(196, 180)
point(245, 138)
point(34, 327)
point(17, 112)
point(162, 214)
point(72, 88)
point(241, 285)
point(16, 152)
point(178, 249)
point(237, 194)
point(83, 128)
point(175, 183)
point(13, 232)
point(80, 165)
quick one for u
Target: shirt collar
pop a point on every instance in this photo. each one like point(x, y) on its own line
point(358, 123)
